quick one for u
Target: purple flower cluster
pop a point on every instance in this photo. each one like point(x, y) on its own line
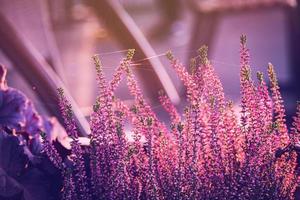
point(24, 172)
point(210, 151)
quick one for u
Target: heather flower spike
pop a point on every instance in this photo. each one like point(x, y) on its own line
point(243, 40)
point(60, 92)
point(272, 75)
point(169, 107)
point(193, 65)
point(170, 55)
point(130, 54)
point(279, 110)
point(260, 77)
point(295, 131)
point(97, 62)
point(80, 176)
point(203, 53)
point(244, 56)
point(96, 106)
point(51, 152)
point(207, 154)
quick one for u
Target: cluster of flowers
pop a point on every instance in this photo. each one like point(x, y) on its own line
point(24, 172)
point(208, 153)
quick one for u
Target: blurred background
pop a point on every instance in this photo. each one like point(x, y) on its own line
point(49, 43)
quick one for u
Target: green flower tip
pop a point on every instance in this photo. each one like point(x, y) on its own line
point(274, 126)
point(180, 127)
point(260, 76)
point(203, 53)
point(186, 110)
point(119, 113)
point(69, 111)
point(170, 55)
point(230, 104)
point(270, 66)
point(272, 74)
point(96, 106)
point(97, 62)
point(212, 101)
point(246, 73)
point(130, 54)
point(134, 109)
point(96, 59)
point(243, 39)
point(60, 91)
point(119, 129)
point(149, 121)
point(193, 63)
point(131, 151)
point(160, 133)
point(172, 126)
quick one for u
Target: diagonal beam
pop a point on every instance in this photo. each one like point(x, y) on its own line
point(33, 67)
point(129, 35)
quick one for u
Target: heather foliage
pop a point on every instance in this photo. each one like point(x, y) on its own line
point(208, 153)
